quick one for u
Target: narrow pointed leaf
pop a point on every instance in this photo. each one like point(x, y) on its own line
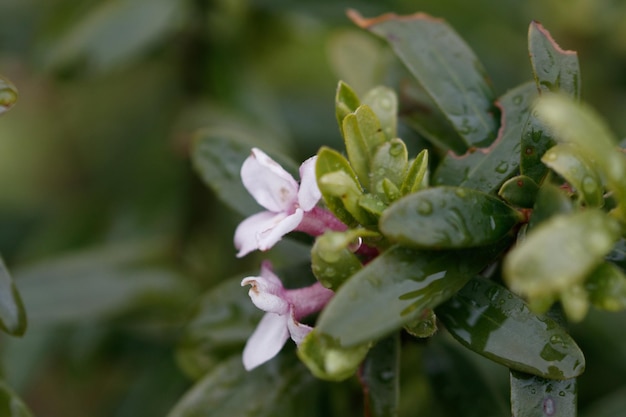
point(448, 217)
point(417, 175)
point(492, 321)
point(429, 48)
point(560, 252)
point(12, 312)
point(380, 377)
point(346, 102)
point(395, 288)
point(485, 169)
point(534, 396)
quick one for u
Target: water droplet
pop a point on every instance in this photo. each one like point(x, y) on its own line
point(492, 293)
point(589, 185)
point(503, 167)
point(355, 245)
point(385, 103)
point(557, 340)
point(396, 149)
point(550, 156)
point(460, 192)
point(330, 256)
point(424, 208)
point(8, 97)
point(549, 408)
point(561, 393)
point(330, 272)
point(517, 99)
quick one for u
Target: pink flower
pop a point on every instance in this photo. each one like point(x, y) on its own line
point(284, 310)
point(276, 190)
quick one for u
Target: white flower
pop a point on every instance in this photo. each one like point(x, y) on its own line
point(284, 308)
point(277, 191)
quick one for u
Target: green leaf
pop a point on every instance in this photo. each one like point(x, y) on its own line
point(486, 169)
point(429, 48)
point(363, 135)
point(395, 288)
point(384, 102)
point(12, 313)
point(332, 261)
point(536, 140)
point(570, 163)
point(10, 404)
point(380, 377)
point(260, 393)
point(8, 95)
point(579, 125)
point(327, 359)
point(346, 102)
point(560, 253)
point(519, 191)
point(448, 217)
point(417, 175)
point(492, 321)
point(554, 68)
point(606, 287)
point(423, 326)
point(534, 396)
point(389, 164)
point(551, 201)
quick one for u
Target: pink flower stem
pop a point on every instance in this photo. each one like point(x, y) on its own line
point(308, 300)
point(319, 220)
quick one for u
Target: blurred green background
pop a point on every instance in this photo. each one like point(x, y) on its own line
point(109, 232)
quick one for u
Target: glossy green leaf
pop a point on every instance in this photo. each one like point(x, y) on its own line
point(536, 140)
point(534, 396)
point(551, 201)
point(519, 191)
point(328, 162)
point(492, 321)
point(346, 102)
point(554, 69)
point(380, 377)
point(384, 102)
point(423, 326)
point(485, 169)
point(395, 288)
point(327, 359)
point(12, 313)
point(429, 48)
point(579, 125)
point(417, 176)
point(606, 287)
point(220, 323)
point(571, 164)
point(10, 404)
point(559, 253)
point(332, 261)
point(259, 393)
point(389, 165)
point(448, 217)
point(363, 135)
point(8, 95)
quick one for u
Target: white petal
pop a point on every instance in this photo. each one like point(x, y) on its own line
point(283, 224)
point(249, 233)
point(267, 295)
point(309, 194)
point(266, 341)
point(297, 330)
point(269, 184)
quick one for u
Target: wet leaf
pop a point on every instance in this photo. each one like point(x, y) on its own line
point(380, 377)
point(551, 201)
point(10, 404)
point(448, 217)
point(332, 261)
point(388, 163)
point(606, 287)
point(559, 253)
point(570, 163)
point(327, 359)
point(346, 102)
point(8, 95)
point(519, 191)
point(429, 47)
point(417, 175)
point(12, 313)
point(534, 396)
point(363, 135)
point(384, 102)
point(492, 321)
point(485, 169)
point(395, 288)
point(213, 394)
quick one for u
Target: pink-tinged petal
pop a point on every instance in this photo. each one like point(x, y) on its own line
point(250, 233)
point(267, 295)
point(309, 193)
point(297, 330)
point(266, 341)
point(283, 224)
point(308, 300)
point(269, 184)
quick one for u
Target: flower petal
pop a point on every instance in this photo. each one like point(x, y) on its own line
point(267, 294)
point(297, 330)
point(249, 234)
point(283, 224)
point(269, 184)
point(266, 341)
point(309, 193)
